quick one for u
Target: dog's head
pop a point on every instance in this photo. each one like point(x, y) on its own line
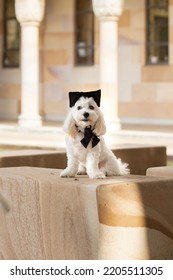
point(85, 113)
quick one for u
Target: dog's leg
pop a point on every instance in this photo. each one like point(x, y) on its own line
point(92, 165)
point(81, 169)
point(72, 167)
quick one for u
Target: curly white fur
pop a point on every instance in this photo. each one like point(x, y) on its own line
point(97, 162)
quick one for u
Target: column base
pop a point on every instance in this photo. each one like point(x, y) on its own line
point(29, 122)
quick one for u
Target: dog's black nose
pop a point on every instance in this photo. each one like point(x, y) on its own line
point(86, 115)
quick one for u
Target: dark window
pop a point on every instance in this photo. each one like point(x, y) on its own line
point(157, 32)
point(84, 33)
point(11, 36)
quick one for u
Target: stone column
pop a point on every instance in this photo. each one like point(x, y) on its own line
point(109, 12)
point(30, 13)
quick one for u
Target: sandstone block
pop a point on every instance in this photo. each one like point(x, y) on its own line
point(44, 216)
point(162, 171)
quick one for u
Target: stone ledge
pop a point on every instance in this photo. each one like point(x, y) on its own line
point(123, 217)
point(139, 157)
point(162, 171)
point(35, 158)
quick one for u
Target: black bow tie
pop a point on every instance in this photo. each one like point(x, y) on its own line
point(89, 136)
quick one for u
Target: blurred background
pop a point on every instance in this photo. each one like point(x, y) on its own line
point(48, 48)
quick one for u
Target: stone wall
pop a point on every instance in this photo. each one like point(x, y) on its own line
point(59, 73)
point(145, 91)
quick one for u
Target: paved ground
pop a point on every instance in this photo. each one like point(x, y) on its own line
point(50, 135)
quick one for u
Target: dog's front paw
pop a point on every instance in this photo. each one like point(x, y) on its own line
point(97, 175)
point(66, 173)
point(81, 171)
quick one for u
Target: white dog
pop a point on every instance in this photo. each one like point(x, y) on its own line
point(87, 152)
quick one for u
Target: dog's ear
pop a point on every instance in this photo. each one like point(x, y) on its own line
point(100, 126)
point(69, 124)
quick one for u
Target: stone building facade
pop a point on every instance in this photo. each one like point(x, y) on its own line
point(133, 91)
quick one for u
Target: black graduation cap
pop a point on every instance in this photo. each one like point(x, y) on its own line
point(74, 96)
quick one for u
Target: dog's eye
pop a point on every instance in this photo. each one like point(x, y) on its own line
point(91, 107)
point(79, 107)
